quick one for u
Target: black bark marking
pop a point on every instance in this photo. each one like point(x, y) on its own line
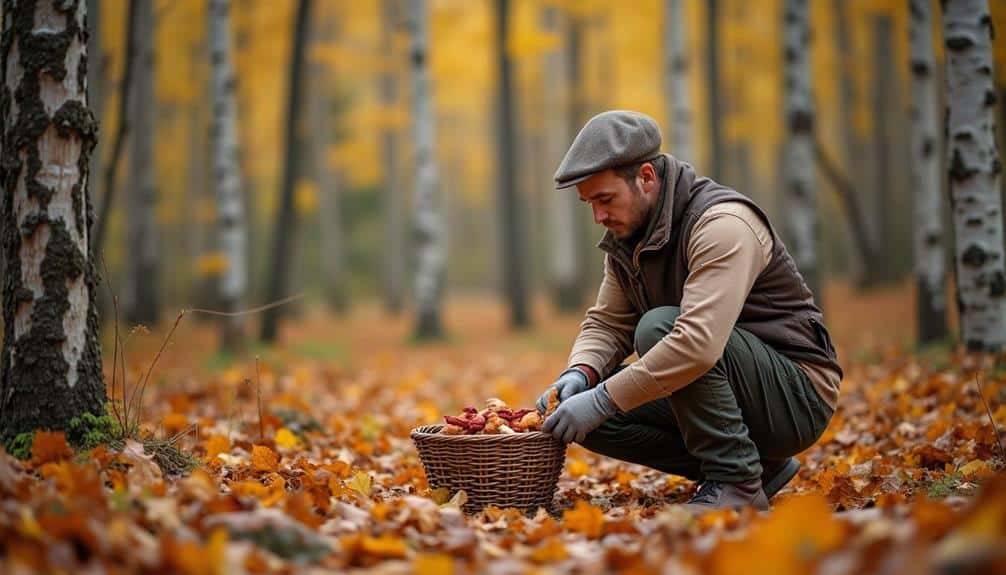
point(34, 389)
point(974, 256)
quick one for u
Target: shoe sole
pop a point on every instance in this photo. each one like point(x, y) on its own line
point(787, 472)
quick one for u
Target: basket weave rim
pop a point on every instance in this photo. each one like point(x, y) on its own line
point(433, 432)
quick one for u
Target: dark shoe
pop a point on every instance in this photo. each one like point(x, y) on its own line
point(776, 474)
point(718, 495)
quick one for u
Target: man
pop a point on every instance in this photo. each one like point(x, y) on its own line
point(736, 371)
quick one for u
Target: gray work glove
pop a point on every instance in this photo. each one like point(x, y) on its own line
point(580, 415)
point(570, 383)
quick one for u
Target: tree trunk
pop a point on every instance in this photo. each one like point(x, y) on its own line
point(430, 256)
point(926, 176)
point(95, 84)
point(285, 229)
point(141, 301)
point(330, 217)
point(974, 170)
point(51, 365)
point(678, 82)
point(884, 155)
point(509, 197)
point(394, 199)
point(799, 154)
point(715, 162)
point(854, 167)
point(126, 88)
point(232, 235)
point(566, 261)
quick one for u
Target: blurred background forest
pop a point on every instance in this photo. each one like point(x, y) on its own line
point(351, 238)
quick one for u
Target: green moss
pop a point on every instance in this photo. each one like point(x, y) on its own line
point(20, 445)
point(88, 431)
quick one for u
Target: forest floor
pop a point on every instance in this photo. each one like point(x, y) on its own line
point(324, 477)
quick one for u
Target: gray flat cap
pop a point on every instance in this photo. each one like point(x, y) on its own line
point(608, 140)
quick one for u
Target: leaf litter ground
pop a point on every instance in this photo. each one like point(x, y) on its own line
point(905, 480)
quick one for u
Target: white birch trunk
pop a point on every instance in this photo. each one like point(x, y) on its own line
point(142, 306)
point(926, 175)
point(428, 226)
point(51, 360)
point(974, 174)
point(678, 81)
point(799, 152)
point(231, 227)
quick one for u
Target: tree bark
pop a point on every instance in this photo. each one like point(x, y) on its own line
point(565, 260)
point(232, 234)
point(285, 229)
point(678, 76)
point(142, 287)
point(429, 280)
point(974, 172)
point(927, 179)
point(329, 200)
point(799, 170)
point(51, 364)
point(715, 162)
point(509, 199)
point(130, 48)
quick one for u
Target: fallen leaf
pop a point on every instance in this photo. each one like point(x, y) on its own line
point(264, 459)
point(584, 518)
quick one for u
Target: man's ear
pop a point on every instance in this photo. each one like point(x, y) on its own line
point(648, 174)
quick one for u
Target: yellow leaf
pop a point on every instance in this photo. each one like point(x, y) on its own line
point(386, 547)
point(264, 459)
point(286, 439)
point(361, 483)
point(975, 469)
point(174, 423)
point(578, 467)
point(440, 495)
point(584, 518)
point(433, 564)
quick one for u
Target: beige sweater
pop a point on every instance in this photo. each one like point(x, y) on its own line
point(729, 246)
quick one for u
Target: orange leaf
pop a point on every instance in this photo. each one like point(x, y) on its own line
point(264, 459)
point(433, 564)
point(49, 446)
point(545, 529)
point(578, 467)
point(174, 423)
point(552, 551)
point(584, 518)
point(215, 445)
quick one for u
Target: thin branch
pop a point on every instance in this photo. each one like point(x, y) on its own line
point(283, 301)
point(846, 191)
point(146, 377)
point(988, 410)
point(258, 392)
point(115, 348)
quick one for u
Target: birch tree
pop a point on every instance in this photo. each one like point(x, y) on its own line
point(565, 258)
point(799, 152)
point(141, 293)
point(51, 364)
point(231, 228)
point(428, 228)
point(974, 174)
point(677, 72)
point(926, 176)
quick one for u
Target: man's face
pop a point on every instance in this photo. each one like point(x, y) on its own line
point(619, 206)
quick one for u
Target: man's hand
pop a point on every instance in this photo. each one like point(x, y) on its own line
point(570, 383)
point(580, 415)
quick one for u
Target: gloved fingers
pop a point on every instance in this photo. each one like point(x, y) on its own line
point(566, 392)
point(569, 434)
point(549, 424)
point(542, 403)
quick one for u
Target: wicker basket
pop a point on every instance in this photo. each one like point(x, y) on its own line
point(516, 470)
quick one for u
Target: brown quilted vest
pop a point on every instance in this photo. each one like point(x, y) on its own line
point(780, 308)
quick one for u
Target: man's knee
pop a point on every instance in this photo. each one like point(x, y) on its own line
point(653, 326)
